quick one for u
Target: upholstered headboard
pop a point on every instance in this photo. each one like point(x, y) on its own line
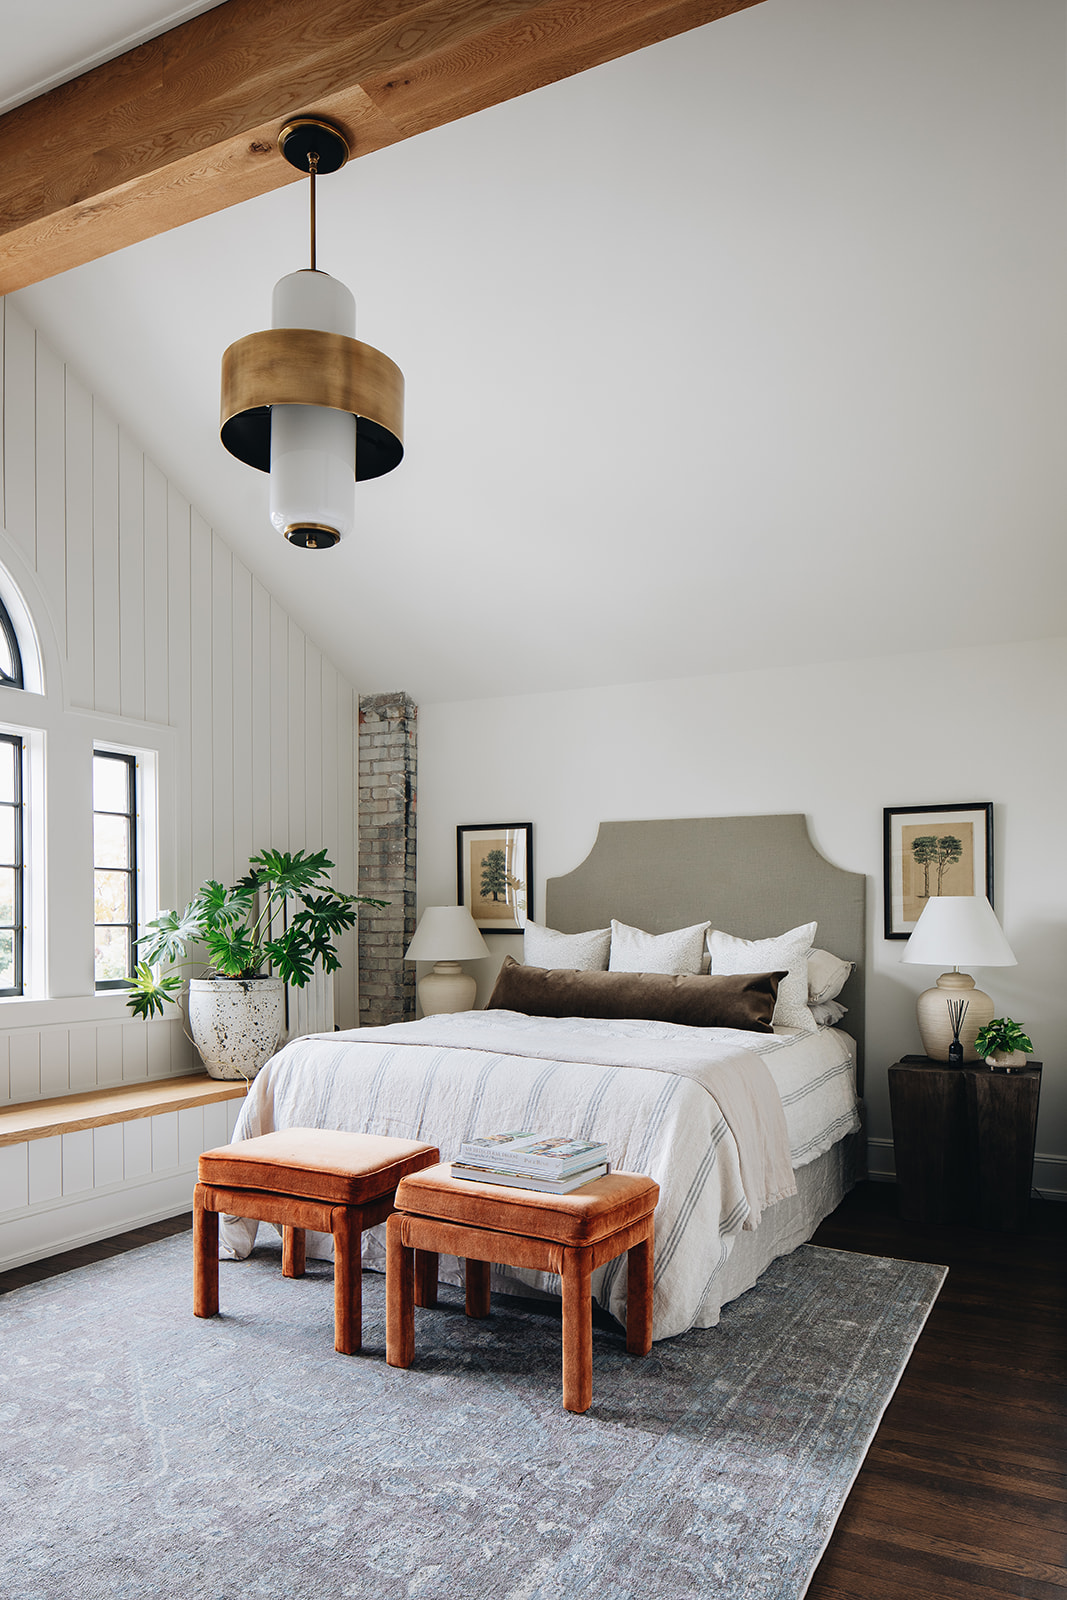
point(750, 876)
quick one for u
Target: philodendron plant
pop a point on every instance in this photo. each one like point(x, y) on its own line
point(283, 916)
point(1004, 1035)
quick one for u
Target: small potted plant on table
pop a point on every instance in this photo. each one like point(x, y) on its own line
point(1003, 1044)
point(270, 929)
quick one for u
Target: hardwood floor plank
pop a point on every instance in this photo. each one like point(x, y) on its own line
point(962, 1495)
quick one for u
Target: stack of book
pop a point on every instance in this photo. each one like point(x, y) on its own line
point(524, 1160)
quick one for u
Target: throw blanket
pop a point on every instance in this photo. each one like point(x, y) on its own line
point(447, 1079)
point(736, 1078)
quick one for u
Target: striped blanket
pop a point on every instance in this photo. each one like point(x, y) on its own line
point(695, 1108)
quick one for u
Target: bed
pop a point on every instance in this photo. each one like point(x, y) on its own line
point(655, 1091)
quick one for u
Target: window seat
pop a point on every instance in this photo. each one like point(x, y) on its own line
point(95, 1108)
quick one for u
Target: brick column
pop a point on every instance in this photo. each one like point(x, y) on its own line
point(387, 755)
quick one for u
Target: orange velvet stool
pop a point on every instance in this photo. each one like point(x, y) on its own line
point(300, 1178)
point(569, 1234)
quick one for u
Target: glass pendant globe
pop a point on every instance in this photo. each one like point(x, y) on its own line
point(312, 448)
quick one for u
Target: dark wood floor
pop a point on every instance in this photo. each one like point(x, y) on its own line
point(963, 1494)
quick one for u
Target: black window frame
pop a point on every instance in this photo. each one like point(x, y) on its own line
point(18, 927)
point(130, 762)
point(15, 679)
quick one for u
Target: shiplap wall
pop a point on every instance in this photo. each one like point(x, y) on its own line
point(154, 633)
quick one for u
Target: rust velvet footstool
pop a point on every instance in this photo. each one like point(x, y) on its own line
point(299, 1178)
point(569, 1234)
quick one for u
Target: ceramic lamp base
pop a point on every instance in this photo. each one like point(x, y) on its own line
point(449, 988)
point(935, 1023)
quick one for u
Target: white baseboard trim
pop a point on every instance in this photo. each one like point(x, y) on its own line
point(57, 1225)
point(1050, 1177)
point(881, 1167)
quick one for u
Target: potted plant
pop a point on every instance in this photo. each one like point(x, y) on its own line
point(272, 928)
point(1003, 1043)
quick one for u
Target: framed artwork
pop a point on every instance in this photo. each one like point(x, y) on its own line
point(494, 874)
point(934, 850)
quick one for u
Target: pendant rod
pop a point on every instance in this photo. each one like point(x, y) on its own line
point(313, 167)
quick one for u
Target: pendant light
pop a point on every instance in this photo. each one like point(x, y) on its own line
point(305, 400)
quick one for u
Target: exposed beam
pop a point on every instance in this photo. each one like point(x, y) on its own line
point(186, 124)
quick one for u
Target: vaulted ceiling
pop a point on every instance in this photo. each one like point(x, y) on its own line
point(730, 339)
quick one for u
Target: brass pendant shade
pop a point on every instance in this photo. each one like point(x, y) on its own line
point(307, 367)
point(310, 365)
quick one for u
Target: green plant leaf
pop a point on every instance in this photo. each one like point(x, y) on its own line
point(167, 938)
point(283, 873)
point(292, 956)
point(1003, 1033)
point(148, 992)
point(223, 908)
point(234, 953)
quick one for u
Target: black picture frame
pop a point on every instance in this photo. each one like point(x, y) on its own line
point(511, 877)
point(944, 872)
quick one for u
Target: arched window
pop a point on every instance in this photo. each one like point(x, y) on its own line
point(10, 655)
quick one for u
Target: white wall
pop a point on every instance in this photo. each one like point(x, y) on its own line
point(837, 742)
point(152, 635)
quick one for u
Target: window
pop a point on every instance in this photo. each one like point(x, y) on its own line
point(114, 866)
point(12, 928)
point(10, 655)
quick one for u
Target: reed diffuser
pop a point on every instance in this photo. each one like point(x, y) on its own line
point(957, 1010)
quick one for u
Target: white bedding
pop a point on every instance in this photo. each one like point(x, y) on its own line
point(447, 1078)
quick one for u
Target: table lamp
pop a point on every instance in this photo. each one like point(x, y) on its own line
point(446, 935)
point(953, 930)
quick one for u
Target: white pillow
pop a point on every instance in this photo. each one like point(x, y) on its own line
point(789, 952)
point(632, 950)
point(579, 952)
point(827, 976)
point(827, 1012)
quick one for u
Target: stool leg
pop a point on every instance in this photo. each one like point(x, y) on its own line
point(577, 1328)
point(476, 1280)
point(205, 1257)
point(639, 1297)
point(347, 1280)
point(426, 1268)
point(294, 1251)
point(399, 1296)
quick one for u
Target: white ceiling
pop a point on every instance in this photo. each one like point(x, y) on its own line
point(747, 349)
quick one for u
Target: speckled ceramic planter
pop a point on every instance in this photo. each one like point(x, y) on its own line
point(236, 1023)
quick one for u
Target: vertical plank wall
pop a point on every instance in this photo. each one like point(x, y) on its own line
point(160, 623)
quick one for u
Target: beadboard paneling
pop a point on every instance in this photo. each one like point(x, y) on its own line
point(159, 623)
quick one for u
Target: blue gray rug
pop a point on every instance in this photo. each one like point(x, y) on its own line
point(150, 1454)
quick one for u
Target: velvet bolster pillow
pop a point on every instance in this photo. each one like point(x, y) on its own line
point(740, 1000)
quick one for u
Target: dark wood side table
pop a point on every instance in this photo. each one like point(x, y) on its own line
point(963, 1138)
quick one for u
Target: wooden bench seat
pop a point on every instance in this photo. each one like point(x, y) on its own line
point(95, 1108)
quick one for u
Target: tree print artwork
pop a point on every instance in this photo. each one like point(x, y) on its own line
point(929, 850)
point(494, 875)
point(931, 853)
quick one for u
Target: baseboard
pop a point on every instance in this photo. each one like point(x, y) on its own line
point(1050, 1172)
point(1050, 1177)
point(881, 1167)
point(50, 1228)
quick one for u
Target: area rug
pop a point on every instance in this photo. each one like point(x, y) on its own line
point(149, 1453)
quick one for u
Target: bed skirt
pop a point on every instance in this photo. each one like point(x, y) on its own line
point(821, 1186)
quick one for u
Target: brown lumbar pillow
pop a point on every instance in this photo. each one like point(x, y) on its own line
point(740, 1000)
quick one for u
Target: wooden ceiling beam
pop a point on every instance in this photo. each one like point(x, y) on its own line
point(187, 124)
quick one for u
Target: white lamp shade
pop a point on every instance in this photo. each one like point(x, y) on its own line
point(446, 933)
point(959, 931)
point(313, 448)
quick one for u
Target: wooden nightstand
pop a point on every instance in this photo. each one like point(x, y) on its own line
point(963, 1139)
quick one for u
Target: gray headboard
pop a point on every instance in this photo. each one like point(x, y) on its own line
point(750, 876)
